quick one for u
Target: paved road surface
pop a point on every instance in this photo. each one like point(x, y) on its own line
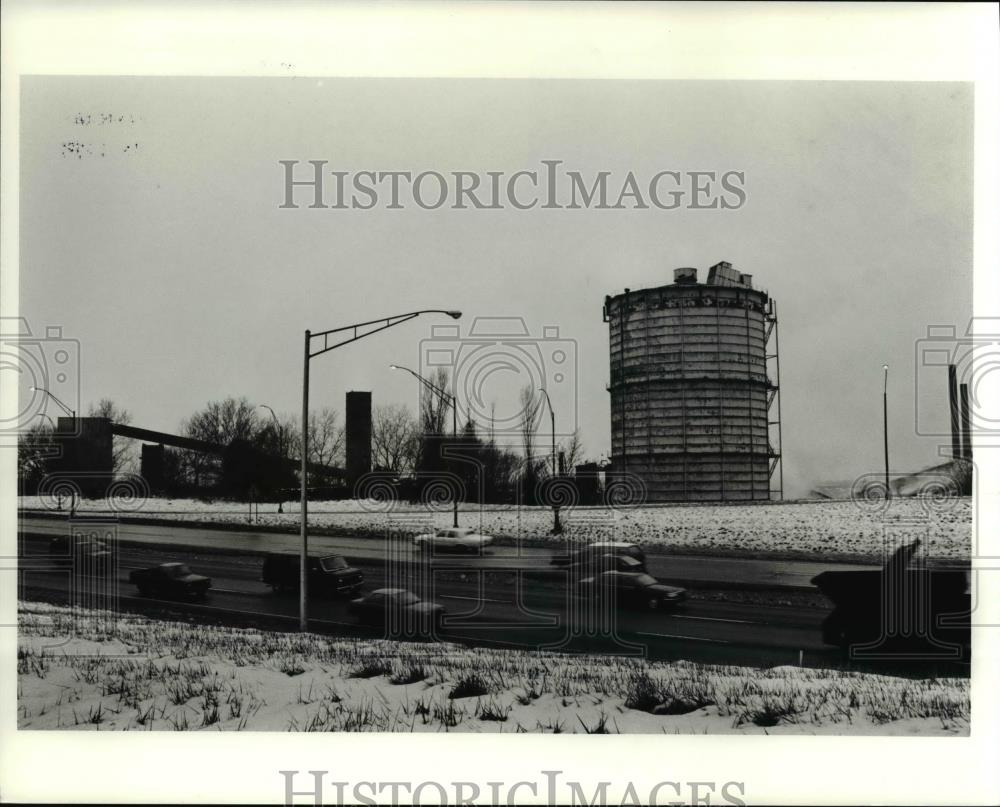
point(689, 570)
point(497, 607)
point(498, 604)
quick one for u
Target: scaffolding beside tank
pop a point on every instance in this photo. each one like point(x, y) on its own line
point(694, 380)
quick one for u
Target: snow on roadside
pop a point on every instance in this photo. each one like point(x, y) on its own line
point(76, 673)
point(812, 529)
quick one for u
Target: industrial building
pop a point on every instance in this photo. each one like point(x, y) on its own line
point(695, 412)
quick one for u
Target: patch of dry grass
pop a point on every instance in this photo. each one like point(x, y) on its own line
point(150, 675)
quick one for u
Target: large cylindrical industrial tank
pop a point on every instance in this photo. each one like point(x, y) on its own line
point(690, 391)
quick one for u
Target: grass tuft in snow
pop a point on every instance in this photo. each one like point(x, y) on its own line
point(470, 685)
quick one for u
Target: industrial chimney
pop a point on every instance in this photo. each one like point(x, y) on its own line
point(956, 429)
point(966, 430)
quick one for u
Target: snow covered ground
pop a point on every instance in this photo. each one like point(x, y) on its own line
point(811, 529)
point(83, 670)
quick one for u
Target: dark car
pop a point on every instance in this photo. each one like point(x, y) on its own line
point(170, 581)
point(329, 575)
point(89, 555)
point(632, 589)
point(604, 556)
point(398, 610)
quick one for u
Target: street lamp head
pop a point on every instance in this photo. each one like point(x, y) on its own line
point(454, 314)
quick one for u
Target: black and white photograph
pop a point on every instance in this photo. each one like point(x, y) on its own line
point(357, 402)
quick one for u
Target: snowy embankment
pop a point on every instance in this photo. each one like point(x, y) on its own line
point(80, 670)
point(851, 530)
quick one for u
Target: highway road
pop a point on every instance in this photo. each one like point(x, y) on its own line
point(688, 570)
point(495, 607)
point(509, 598)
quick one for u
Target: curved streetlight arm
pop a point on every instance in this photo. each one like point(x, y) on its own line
point(548, 400)
point(452, 401)
point(66, 409)
point(277, 424)
point(552, 415)
point(447, 396)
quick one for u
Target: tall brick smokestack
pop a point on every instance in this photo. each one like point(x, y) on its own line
point(956, 433)
point(966, 425)
point(358, 428)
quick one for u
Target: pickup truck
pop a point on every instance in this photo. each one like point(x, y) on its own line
point(170, 581)
point(329, 574)
point(904, 612)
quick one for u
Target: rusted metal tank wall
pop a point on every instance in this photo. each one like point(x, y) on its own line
point(690, 391)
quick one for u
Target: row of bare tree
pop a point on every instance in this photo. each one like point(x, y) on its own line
point(403, 445)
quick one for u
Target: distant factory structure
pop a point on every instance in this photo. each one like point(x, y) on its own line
point(695, 407)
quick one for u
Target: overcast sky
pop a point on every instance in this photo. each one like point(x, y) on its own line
point(151, 231)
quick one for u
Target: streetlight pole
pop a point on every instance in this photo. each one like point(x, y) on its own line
point(557, 527)
point(552, 415)
point(72, 414)
point(59, 495)
point(358, 331)
point(885, 426)
point(452, 401)
point(281, 455)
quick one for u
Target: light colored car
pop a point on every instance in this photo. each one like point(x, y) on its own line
point(452, 539)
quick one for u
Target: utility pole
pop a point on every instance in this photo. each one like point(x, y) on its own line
point(885, 427)
point(72, 415)
point(281, 454)
point(358, 331)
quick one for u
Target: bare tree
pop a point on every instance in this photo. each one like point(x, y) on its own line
point(123, 456)
point(34, 447)
point(326, 437)
point(286, 437)
point(395, 438)
point(433, 407)
point(572, 450)
point(222, 422)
